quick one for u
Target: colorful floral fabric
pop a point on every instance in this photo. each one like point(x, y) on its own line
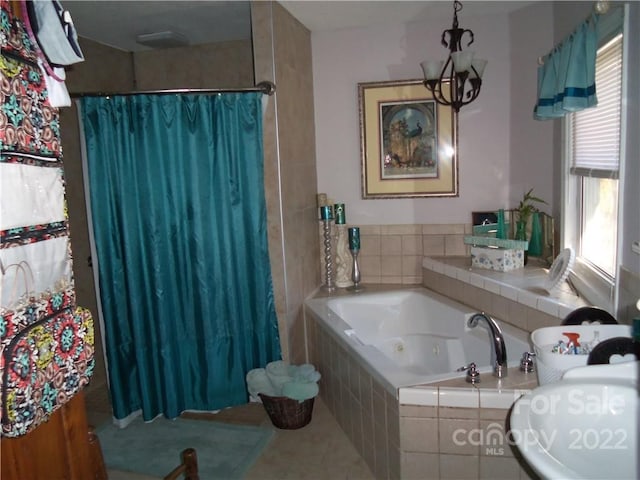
point(46, 341)
point(28, 123)
point(14, 38)
point(12, 237)
point(43, 367)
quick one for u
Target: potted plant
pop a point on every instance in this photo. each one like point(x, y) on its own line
point(527, 206)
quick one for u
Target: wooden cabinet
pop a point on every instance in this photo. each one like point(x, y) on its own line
point(63, 448)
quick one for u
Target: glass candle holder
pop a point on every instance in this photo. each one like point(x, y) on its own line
point(340, 213)
point(326, 212)
point(354, 238)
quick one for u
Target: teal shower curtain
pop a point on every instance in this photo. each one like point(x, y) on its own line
point(180, 227)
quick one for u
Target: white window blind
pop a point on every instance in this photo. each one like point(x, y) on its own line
point(596, 131)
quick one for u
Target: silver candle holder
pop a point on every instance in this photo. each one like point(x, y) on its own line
point(326, 215)
point(354, 248)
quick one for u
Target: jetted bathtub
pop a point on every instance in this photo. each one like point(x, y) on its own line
point(412, 336)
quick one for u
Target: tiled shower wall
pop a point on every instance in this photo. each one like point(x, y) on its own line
point(282, 54)
point(393, 254)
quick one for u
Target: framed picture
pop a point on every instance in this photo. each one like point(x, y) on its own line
point(408, 142)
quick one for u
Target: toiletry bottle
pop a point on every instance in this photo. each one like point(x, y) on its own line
point(596, 340)
point(573, 343)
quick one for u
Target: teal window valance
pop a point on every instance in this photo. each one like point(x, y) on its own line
point(566, 79)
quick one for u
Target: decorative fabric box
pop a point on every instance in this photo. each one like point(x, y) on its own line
point(499, 259)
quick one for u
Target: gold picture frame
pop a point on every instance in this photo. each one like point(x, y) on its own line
point(408, 142)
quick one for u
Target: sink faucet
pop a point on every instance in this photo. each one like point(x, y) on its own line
point(498, 348)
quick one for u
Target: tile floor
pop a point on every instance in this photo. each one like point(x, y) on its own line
point(318, 451)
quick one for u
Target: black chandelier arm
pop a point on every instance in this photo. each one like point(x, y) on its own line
point(451, 88)
point(459, 94)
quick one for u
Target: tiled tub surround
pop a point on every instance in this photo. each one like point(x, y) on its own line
point(515, 297)
point(408, 432)
point(451, 430)
point(392, 254)
point(412, 336)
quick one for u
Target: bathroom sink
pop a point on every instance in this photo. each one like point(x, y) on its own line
point(584, 426)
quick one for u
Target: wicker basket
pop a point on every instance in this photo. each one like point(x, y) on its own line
point(287, 413)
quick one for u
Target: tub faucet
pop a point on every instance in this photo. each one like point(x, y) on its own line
point(496, 339)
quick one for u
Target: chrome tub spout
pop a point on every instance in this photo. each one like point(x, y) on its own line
point(496, 339)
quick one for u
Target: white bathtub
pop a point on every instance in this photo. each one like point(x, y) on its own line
point(412, 336)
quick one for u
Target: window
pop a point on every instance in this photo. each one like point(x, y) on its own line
point(592, 185)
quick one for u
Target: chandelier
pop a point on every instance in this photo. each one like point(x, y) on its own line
point(455, 82)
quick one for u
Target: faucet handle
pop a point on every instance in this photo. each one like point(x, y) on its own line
point(473, 375)
point(526, 362)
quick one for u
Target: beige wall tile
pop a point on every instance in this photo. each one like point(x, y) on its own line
point(494, 414)
point(379, 410)
point(412, 245)
point(629, 295)
point(420, 466)
point(369, 229)
point(459, 467)
point(370, 268)
point(392, 280)
point(394, 459)
point(433, 245)
point(382, 460)
point(429, 278)
point(418, 411)
point(297, 348)
point(419, 434)
point(357, 437)
point(454, 436)
point(408, 229)
point(366, 392)
point(537, 319)
point(517, 315)
point(409, 280)
point(391, 265)
point(369, 245)
point(411, 265)
point(391, 244)
point(457, 412)
point(495, 441)
point(499, 468)
point(454, 246)
point(500, 306)
point(199, 66)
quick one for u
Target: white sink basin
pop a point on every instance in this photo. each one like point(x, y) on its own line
point(584, 426)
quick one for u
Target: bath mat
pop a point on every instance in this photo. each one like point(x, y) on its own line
point(224, 451)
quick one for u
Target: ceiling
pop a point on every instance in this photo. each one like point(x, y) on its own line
point(118, 23)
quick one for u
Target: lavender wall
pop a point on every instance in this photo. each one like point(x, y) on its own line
point(499, 158)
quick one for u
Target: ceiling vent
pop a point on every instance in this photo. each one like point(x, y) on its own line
point(166, 39)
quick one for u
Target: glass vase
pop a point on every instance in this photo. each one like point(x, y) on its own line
point(521, 234)
point(535, 243)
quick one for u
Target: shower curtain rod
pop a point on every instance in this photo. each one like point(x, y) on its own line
point(266, 87)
